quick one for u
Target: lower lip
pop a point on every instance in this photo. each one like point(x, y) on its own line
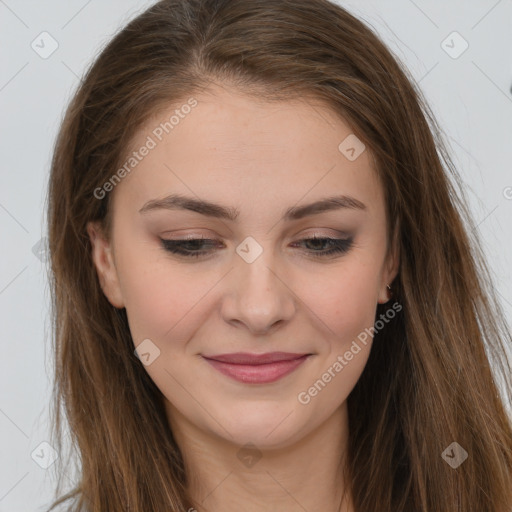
point(257, 374)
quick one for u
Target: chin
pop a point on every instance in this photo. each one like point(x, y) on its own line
point(267, 427)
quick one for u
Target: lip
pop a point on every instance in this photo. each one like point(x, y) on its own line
point(256, 368)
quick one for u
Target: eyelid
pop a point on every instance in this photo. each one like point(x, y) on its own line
point(331, 233)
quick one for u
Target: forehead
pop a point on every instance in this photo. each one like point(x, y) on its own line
point(231, 145)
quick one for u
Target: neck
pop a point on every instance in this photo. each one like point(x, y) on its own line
point(306, 475)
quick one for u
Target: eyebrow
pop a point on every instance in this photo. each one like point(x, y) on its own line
point(207, 208)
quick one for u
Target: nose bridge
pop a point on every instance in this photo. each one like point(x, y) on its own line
point(255, 270)
point(258, 275)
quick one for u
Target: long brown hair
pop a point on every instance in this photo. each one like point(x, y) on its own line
point(437, 374)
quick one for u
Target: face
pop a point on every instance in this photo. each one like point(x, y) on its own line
point(256, 281)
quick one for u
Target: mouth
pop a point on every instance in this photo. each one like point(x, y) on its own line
point(256, 368)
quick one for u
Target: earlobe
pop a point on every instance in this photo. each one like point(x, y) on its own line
point(105, 268)
point(385, 294)
point(390, 272)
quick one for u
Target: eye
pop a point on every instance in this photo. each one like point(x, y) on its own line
point(194, 247)
point(188, 247)
point(337, 245)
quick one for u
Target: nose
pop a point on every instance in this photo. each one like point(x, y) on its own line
point(258, 295)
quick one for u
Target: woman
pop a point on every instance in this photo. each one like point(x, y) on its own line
point(265, 295)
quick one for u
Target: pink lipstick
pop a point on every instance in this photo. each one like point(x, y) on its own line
point(256, 368)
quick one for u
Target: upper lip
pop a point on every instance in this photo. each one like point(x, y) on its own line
point(255, 359)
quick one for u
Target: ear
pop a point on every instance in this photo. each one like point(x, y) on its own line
point(104, 262)
point(390, 270)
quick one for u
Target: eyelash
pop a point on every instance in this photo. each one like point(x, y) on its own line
point(340, 246)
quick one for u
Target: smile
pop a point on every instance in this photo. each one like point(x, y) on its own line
point(256, 368)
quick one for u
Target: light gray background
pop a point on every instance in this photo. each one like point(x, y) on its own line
point(470, 96)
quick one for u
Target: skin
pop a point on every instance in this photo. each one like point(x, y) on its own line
point(260, 158)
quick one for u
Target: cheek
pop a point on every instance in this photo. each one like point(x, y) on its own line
point(160, 297)
point(344, 299)
point(346, 303)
